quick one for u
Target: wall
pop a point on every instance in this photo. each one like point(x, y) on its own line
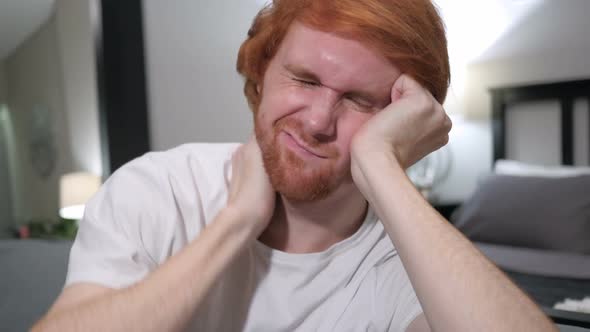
point(2, 82)
point(547, 66)
point(194, 91)
point(52, 71)
point(78, 64)
point(33, 72)
point(6, 188)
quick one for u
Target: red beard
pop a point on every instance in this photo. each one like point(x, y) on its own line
point(291, 175)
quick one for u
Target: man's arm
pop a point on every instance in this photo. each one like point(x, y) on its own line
point(419, 324)
point(167, 299)
point(458, 287)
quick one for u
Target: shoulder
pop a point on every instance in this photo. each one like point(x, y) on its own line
point(171, 172)
point(164, 199)
point(182, 165)
point(182, 157)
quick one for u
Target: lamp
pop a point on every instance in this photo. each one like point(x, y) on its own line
point(74, 190)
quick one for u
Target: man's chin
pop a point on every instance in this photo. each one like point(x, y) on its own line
point(300, 186)
point(293, 177)
point(300, 194)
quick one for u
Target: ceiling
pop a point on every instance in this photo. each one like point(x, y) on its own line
point(477, 30)
point(488, 29)
point(551, 26)
point(19, 19)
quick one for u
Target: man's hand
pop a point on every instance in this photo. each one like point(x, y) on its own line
point(251, 194)
point(441, 263)
point(167, 299)
point(412, 126)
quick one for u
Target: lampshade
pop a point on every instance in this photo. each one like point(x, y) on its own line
point(74, 190)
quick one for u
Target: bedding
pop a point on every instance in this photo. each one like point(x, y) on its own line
point(33, 274)
point(548, 276)
point(526, 211)
point(547, 263)
point(514, 167)
point(535, 226)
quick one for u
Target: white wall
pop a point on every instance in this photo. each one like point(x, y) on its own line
point(546, 66)
point(78, 63)
point(33, 73)
point(53, 69)
point(6, 188)
point(195, 93)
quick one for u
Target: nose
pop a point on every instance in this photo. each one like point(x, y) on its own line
point(320, 119)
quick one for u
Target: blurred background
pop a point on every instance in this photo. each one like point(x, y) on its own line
point(87, 85)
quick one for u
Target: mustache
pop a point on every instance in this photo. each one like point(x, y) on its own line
point(296, 127)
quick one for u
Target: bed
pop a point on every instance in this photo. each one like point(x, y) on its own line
point(531, 216)
point(33, 274)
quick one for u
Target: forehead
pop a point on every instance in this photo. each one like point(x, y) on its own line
point(339, 62)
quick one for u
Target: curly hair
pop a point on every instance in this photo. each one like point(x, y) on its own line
point(409, 33)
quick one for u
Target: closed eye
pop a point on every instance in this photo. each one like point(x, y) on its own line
point(362, 103)
point(306, 82)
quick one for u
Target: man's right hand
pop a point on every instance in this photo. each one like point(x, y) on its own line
point(167, 299)
point(251, 194)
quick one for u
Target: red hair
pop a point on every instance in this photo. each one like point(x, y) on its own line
point(409, 33)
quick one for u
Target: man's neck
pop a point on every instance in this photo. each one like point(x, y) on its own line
point(307, 227)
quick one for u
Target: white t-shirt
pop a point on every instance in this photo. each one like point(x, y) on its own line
point(155, 205)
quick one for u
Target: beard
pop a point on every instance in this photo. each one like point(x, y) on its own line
point(292, 176)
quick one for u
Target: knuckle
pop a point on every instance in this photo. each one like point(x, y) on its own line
point(449, 125)
point(424, 105)
point(441, 117)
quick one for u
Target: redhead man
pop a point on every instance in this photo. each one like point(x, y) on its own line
point(312, 225)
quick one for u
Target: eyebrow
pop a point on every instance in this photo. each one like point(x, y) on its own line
point(305, 74)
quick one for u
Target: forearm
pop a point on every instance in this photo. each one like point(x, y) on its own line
point(458, 288)
point(168, 298)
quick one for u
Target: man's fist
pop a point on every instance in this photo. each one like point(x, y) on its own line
point(412, 126)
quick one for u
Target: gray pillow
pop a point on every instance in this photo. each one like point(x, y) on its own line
point(32, 276)
point(526, 211)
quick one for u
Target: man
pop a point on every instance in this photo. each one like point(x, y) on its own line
point(306, 226)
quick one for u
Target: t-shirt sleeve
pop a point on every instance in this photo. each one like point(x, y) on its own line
point(110, 247)
point(399, 304)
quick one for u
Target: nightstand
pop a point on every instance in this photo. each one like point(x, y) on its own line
point(446, 209)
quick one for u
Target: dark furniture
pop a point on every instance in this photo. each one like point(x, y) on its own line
point(545, 290)
point(564, 92)
point(446, 209)
point(122, 82)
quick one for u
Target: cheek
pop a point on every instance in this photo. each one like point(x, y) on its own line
point(350, 123)
point(281, 102)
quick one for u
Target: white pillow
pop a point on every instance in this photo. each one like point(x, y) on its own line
point(517, 168)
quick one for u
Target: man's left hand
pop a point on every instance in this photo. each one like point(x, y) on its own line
point(408, 129)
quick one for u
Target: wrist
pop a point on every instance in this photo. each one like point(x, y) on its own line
point(369, 164)
point(367, 154)
point(245, 224)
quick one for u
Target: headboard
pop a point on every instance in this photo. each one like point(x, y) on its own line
point(564, 92)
